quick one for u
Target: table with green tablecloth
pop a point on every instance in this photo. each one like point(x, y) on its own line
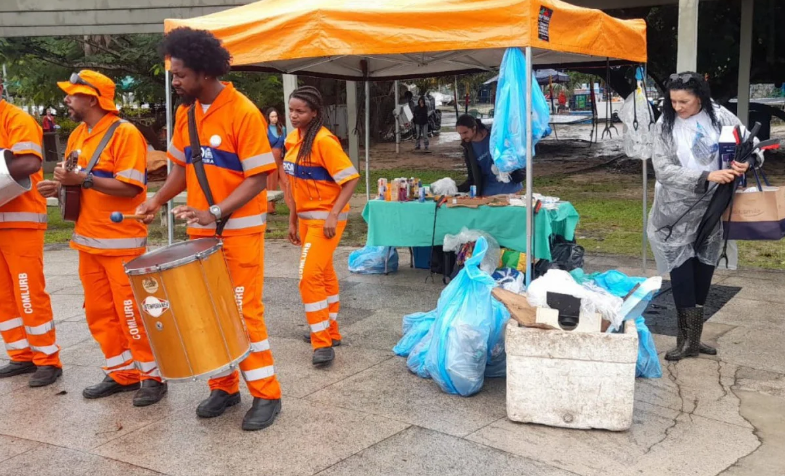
point(410, 224)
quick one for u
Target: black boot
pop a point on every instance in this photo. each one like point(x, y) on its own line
point(688, 339)
point(217, 403)
point(705, 349)
point(107, 387)
point(150, 392)
point(307, 338)
point(323, 356)
point(16, 368)
point(45, 375)
point(262, 414)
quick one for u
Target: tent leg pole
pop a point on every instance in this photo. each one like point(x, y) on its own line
point(170, 205)
point(367, 139)
point(530, 255)
point(645, 217)
point(397, 123)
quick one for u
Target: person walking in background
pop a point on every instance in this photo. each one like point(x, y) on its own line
point(49, 121)
point(421, 122)
point(276, 135)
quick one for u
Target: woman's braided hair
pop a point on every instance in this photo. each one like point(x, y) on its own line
point(313, 98)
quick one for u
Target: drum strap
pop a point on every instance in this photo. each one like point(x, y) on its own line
point(101, 146)
point(196, 161)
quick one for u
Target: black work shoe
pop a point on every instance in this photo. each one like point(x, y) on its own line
point(150, 392)
point(217, 403)
point(16, 368)
point(45, 375)
point(107, 387)
point(307, 338)
point(262, 414)
point(323, 356)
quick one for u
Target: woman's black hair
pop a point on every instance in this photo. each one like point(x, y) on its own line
point(199, 50)
point(278, 125)
point(468, 121)
point(423, 101)
point(694, 84)
point(313, 98)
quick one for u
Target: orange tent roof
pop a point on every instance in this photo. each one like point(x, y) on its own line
point(385, 39)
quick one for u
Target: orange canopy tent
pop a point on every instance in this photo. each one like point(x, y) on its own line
point(397, 39)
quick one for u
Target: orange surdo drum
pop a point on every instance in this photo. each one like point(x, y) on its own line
point(188, 307)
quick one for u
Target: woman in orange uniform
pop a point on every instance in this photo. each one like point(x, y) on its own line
point(322, 180)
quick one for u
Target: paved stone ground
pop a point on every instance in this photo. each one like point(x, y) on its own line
point(367, 415)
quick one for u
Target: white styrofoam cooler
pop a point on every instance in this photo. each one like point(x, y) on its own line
point(571, 380)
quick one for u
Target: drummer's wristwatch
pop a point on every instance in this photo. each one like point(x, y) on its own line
point(215, 210)
point(88, 181)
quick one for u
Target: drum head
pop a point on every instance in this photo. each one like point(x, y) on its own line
point(174, 255)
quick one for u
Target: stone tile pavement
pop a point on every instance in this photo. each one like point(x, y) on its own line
point(367, 415)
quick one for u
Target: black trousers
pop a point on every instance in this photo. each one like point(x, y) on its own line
point(691, 282)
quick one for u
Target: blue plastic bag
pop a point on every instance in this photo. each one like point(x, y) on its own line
point(467, 329)
point(508, 135)
point(415, 326)
point(416, 360)
point(648, 363)
point(370, 260)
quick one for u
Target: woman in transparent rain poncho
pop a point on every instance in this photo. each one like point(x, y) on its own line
point(688, 168)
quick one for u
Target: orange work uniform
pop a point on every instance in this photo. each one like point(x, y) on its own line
point(26, 320)
point(232, 134)
point(104, 247)
point(316, 183)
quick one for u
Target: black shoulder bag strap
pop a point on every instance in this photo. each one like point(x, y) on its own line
point(196, 161)
point(101, 146)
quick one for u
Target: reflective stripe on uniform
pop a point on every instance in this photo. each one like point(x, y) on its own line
point(257, 161)
point(260, 346)
point(316, 306)
point(23, 217)
point(132, 174)
point(17, 345)
point(320, 326)
point(131, 366)
point(146, 367)
point(333, 299)
point(238, 223)
point(110, 243)
point(333, 316)
point(176, 153)
point(119, 359)
point(46, 349)
point(11, 324)
point(347, 172)
point(258, 374)
point(321, 216)
point(40, 330)
point(20, 146)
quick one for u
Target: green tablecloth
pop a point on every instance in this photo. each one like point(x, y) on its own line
point(407, 224)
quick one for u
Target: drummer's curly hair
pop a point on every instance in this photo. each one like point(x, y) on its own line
point(313, 98)
point(695, 85)
point(199, 50)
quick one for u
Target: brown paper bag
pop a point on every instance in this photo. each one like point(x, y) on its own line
point(756, 215)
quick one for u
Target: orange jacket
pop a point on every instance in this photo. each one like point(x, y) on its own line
point(124, 159)
point(233, 136)
point(22, 135)
point(316, 181)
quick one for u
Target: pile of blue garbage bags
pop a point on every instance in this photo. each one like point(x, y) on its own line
point(461, 342)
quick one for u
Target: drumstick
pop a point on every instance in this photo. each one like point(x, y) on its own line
point(117, 217)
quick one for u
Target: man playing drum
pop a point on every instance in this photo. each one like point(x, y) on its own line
point(115, 182)
point(236, 158)
point(26, 321)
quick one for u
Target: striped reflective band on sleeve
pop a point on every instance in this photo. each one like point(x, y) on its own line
point(321, 216)
point(11, 324)
point(257, 161)
point(20, 146)
point(333, 316)
point(40, 330)
point(316, 306)
point(132, 174)
point(260, 346)
point(333, 299)
point(109, 243)
point(258, 374)
point(176, 153)
point(21, 344)
point(47, 349)
point(345, 173)
point(320, 326)
point(119, 359)
point(238, 223)
point(23, 217)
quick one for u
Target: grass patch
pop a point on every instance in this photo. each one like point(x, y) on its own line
point(278, 227)
point(58, 230)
